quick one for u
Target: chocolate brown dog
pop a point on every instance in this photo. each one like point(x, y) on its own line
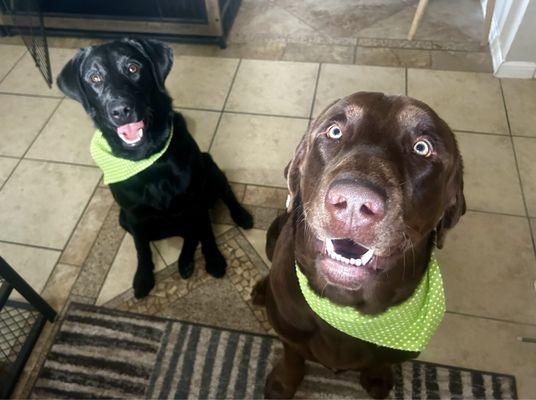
point(374, 185)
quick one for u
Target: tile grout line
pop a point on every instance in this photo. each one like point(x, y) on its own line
point(31, 144)
point(224, 105)
point(73, 164)
point(490, 318)
point(527, 214)
point(35, 246)
point(14, 65)
point(35, 96)
point(315, 91)
point(496, 213)
point(241, 112)
point(354, 56)
point(406, 79)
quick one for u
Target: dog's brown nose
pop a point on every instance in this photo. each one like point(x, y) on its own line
point(355, 205)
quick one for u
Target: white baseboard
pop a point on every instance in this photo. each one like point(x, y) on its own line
point(516, 69)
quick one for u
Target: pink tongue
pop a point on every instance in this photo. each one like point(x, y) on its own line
point(130, 131)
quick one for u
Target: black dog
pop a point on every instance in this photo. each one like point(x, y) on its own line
point(121, 86)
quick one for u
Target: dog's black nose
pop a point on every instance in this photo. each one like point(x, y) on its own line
point(121, 111)
point(354, 205)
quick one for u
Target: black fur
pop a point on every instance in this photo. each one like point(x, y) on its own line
point(173, 196)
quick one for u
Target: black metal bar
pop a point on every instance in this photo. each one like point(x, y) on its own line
point(20, 285)
point(5, 291)
point(16, 369)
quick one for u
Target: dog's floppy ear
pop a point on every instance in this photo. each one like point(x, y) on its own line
point(293, 168)
point(293, 173)
point(69, 80)
point(456, 206)
point(160, 56)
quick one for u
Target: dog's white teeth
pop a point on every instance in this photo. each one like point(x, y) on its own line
point(365, 258)
point(140, 133)
point(329, 246)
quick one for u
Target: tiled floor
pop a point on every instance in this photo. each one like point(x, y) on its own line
point(59, 224)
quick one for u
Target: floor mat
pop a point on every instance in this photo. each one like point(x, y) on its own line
point(104, 353)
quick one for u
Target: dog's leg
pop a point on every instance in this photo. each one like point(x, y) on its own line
point(186, 259)
point(223, 191)
point(258, 294)
point(215, 263)
point(144, 276)
point(377, 380)
point(286, 376)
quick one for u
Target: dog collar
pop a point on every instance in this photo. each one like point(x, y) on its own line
point(117, 169)
point(407, 326)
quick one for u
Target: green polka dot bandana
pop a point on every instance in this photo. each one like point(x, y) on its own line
point(406, 326)
point(117, 169)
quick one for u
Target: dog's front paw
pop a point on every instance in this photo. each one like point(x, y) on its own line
point(276, 389)
point(215, 264)
point(242, 218)
point(377, 382)
point(186, 268)
point(143, 283)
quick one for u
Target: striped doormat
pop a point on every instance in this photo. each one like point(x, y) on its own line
point(103, 353)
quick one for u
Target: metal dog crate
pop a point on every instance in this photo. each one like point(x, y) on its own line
point(202, 21)
point(20, 326)
point(181, 20)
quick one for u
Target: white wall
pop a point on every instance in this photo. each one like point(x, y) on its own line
point(513, 38)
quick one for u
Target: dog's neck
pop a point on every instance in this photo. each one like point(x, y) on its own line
point(390, 287)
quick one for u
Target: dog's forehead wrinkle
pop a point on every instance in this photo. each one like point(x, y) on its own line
point(411, 115)
point(353, 111)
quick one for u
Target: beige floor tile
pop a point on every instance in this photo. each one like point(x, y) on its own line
point(201, 82)
point(10, 55)
point(255, 149)
point(6, 166)
point(42, 202)
point(265, 196)
point(486, 345)
point(88, 228)
point(121, 273)
point(21, 119)
point(59, 286)
point(33, 264)
point(489, 267)
point(491, 181)
point(520, 99)
point(25, 78)
point(201, 125)
point(169, 248)
point(462, 61)
point(467, 101)
point(415, 58)
point(337, 81)
point(273, 87)
point(319, 53)
point(66, 137)
point(257, 238)
point(526, 157)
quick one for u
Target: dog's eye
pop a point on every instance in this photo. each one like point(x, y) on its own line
point(422, 147)
point(133, 68)
point(95, 78)
point(334, 132)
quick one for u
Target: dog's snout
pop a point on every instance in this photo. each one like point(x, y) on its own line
point(354, 204)
point(121, 111)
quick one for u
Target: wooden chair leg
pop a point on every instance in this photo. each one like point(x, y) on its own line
point(417, 18)
point(487, 21)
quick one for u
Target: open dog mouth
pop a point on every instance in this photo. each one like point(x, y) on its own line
point(131, 133)
point(346, 263)
point(348, 252)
